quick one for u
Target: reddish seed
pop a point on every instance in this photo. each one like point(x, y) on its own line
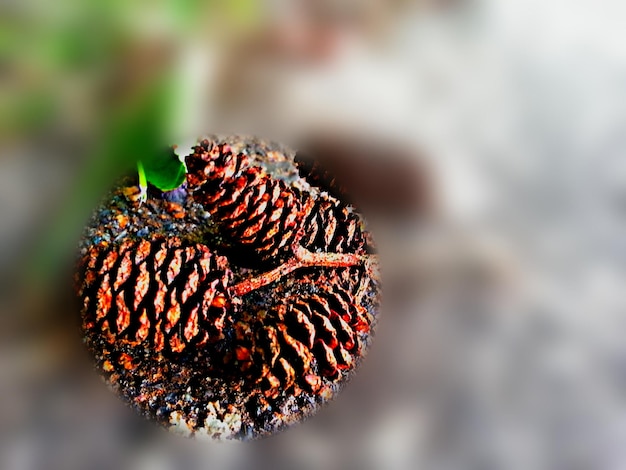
point(243, 354)
point(122, 220)
point(219, 301)
point(126, 361)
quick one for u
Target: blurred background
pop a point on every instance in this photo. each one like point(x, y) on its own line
point(485, 140)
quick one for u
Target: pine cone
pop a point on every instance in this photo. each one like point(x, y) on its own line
point(258, 213)
point(331, 226)
point(295, 345)
point(164, 294)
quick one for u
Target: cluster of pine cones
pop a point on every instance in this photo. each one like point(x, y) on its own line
point(171, 296)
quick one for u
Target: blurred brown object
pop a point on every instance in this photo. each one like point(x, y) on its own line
point(384, 178)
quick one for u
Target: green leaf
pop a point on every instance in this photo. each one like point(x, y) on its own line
point(164, 170)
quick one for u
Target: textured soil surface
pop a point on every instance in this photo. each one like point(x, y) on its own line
point(187, 394)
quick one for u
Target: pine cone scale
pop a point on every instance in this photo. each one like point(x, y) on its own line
point(296, 351)
point(301, 325)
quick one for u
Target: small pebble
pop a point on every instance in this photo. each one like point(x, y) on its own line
point(121, 236)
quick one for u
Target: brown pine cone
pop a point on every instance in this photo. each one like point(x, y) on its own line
point(251, 209)
point(306, 339)
point(165, 294)
point(332, 226)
